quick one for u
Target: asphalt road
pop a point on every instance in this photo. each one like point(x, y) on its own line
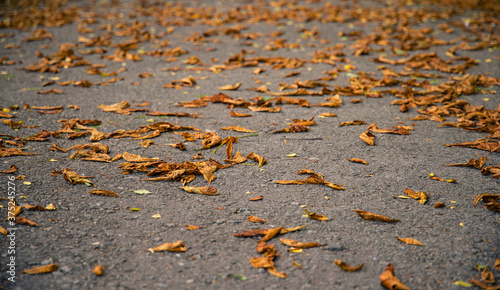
point(176, 58)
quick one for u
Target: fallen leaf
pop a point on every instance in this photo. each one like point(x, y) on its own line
point(104, 192)
point(230, 87)
point(256, 198)
point(171, 247)
point(400, 130)
point(24, 221)
point(191, 227)
point(348, 268)
point(238, 129)
point(257, 158)
point(410, 241)
point(297, 265)
point(374, 217)
point(439, 205)
point(487, 276)
point(239, 115)
point(358, 160)
point(351, 123)
point(421, 196)
point(475, 163)
point(42, 269)
point(462, 283)
point(12, 169)
point(255, 219)
point(388, 280)
point(206, 190)
point(368, 138)
point(299, 245)
point(99, 270)
point(142, 191)
point(315, 216)
point(146, 143)
point(136, 158)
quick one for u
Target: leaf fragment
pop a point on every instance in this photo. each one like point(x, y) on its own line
point(255, 219)
point(410, 241)
point(230, 87)
point(388, 280)
point(347, 268)
point(41, 269)
point(421, 196)
point(104, 192)
point(257, 158)
point(374, 217)
point(315, 216)
point(358, 160)
point(99, 270)
point(205, 190)
point(368, 138)
point(178, 246)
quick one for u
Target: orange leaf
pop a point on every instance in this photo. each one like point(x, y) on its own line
point(99, 270)
point(206, 190)
point(348, 268)
point(42, 269)
point(358, 160)
point(315, 216)
point(191, 227)
point(238, 129)
point(255, 219)
point(388, 280)
point(171, 247)
point(257, 158)
point(104, 192)
point(230, 87)
point(368, 138)
point(410, 241)
point(374, 217)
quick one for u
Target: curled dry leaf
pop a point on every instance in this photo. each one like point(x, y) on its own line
point(257, 158)
point(421, 196)
point(475, 163)
point(328, 114)
point(299, 245)
point(12, 169)
point(491, 201)
point(136, 158)
point(230, 87)
point(347, 268)
point(368, 138)
point(315, 216)
point(237, 158)
point(400, 130)
point(42, 269)
point(24, 221)
point(294, 128)
point(146, 143)
point(255, 219)
point(211, 140)
point(374, 217)
point(171, 247)
point(358, 160)
point(191, 227)
point(351, 123)
point(439, 205)
point(497, 264)
point(206, 190)
point(179, 145)
point(238, 129)
point(239, 115)
point(487, 276)
point(410, 241)
point(104, 192)
point(256, 198)
point(99, 270)
point(481, 144)
point(388, 280)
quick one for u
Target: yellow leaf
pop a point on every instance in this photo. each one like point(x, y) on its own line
point(410, 241)
point(156, 216)
point(295, 250)
point(462, 283)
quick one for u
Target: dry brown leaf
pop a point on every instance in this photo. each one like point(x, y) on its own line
point(421, 196)
point(211, 140)
point(374, 217)
point(99, 270)
point(257, 158)
point(351, 123)
point(205, 190)
point(42, 269)
point(4, 152)
point(262, 262)
point(271, 233)
point(256, 198)
point(475, 163)
point(265, 109)
point(12, 169)
point(3, 231)
point(439, 205)
point(273, 271)
point(230, 87)
point(191, 227)
point(481, 144)
point(299, 245)
point(179, 145)
point(237, 158)
point(239, 115)
point(487, 276)
point(347, 268)
point(491, 201)
point(297, 265)
point(255, 219)
point(315, 216)
point(136, 158)
point(358, 160)
point(171, 247)
point(238, 129)
point(146, 143)
point(295, 128)
point(388, 280)
point(410, 241)
point(104, 192)
point(24, 221)
point(497, 264)
point(368, 138)
point(400, 130)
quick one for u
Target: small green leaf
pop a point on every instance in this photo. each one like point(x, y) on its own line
point(239, 277)
point(480, 267)
point(462, 283)
point(142, 191)
point(87, 184)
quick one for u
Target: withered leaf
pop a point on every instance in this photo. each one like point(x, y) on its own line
point(24, 221)
point(400, 130)
point(410, 241)
point(230, 87)
point(328, 114)
point(34, 207)
point(256, 198)
point(104, 192)
point(348, 268)
point(388, 280)
point(421, 196)
point(273, 271)
point(42, 269)
point(297, 264)
point(475, 163)
point(351, 123)
point(497, 264)
point(146, 143)
point(3, 231)
point(251, 233)
point(117, 108)
point(374, 217)
point(255, 219)
point(262, 262)
point(368, 138)
point(4, 152)
point(295, 128)
point(265, 109)
point(481, 144)
point(299, 245)
point(206, 190)
point(237, 158)
point(314, 178)
point(171, 247)
point(136, 158)
point(179, 145)
point(257, 158)
point(239, 115)
point(491, 201)
point(207, 172)
point(211, 140)
point(191, 227)
point(12, 169)
point(439, 205)
point(487, 276)
point(238, 129)
point(315, 216)
point(99, 270)
point(271, 233)
point(358, 160)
